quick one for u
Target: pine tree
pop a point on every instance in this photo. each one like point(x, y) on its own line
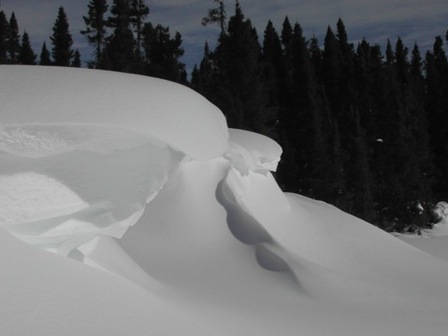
point(162, 53)
point(274, 65)
point(45, 57)
point(287, 35)
point(121, 45)
point(26, 52)
point(76, 62)
point(4, 27)
point(201, 78)
point(96, 29)
point(316, 56)
point(13, 40)
point(61, 40)
point(217, 15)
point(138, 12)
point(436, 66)
point(306, 120)
point(243, 97)
point(338, 64)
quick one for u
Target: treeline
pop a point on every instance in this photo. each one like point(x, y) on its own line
point(361, 129)
point(121, 38)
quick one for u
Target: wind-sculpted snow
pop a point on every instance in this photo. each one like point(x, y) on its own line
point(253, 152)
point(182, 220)
point(61, 197)
point(51, 95)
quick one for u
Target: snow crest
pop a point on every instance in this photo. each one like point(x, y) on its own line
point(152, 107)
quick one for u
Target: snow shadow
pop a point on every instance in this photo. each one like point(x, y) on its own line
point(248, 230)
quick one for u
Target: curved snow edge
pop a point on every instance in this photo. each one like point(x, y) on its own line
point(164, 110)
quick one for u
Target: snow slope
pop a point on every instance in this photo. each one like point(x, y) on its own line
point(435, 240)
point(163, 222)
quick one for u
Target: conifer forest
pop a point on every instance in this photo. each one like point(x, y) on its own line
point(361, 128)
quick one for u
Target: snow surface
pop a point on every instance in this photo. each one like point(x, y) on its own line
point(163, 222)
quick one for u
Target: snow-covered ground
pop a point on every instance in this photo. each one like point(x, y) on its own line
point(434, 241)
point(164, 222)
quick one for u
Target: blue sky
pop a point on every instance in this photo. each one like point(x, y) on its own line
point(415, 21)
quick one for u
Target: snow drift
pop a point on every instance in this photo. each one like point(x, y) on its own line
point(184, 225)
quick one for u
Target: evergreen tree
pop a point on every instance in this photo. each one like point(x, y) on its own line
point(287, 35)
point(61, 40)
point(162, 53)
point(13, 40)
point(45, 58)
point(338, 64)
point(76, 62)
point(305, 121)
point(436, 67)
point(96, 29)
point(274, 65)
point(138, 12)
point(217, 15)
point(337, 192)
point(26, 52)
point(121, 45)
point(202, 77)
point(4, 27)
point(238, 58)
point(316, 56)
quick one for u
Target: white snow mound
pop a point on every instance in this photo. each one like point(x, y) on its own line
point(183, 222)
point(150, 106)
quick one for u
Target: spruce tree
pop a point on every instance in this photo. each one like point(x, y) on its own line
point(121, 45)
point(138, 12)
point(4, 27)
point(162, 53)
point(26, 52)
point(61, 40)
point(96, 29)
point(310, 106)
point(76, 62)
point(274, 65)
point(217, 15)
point(202, 78)
point(436, 66)
point(13, 40)
point(45, 57)
point(338, 64)
point(241, 75)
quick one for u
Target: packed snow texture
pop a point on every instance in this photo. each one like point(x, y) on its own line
point(164, 222)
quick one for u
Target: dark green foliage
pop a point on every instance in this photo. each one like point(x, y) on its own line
point(45, 58)
point(437, 111)
point(138, 12)
point(61, 40)
point(4, 28)
point(121, 44)
point(13, 40)
point(217, 15)
point(359, 129)
point(96, 29)
point(162, 53)
point(76, 62)
point(239, 77)
point(26, 52)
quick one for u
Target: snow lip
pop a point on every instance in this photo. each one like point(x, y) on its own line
point(251, 151)
point(161, 109)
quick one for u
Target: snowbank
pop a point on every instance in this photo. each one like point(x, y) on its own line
point(150, 106)
point(184, 225)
